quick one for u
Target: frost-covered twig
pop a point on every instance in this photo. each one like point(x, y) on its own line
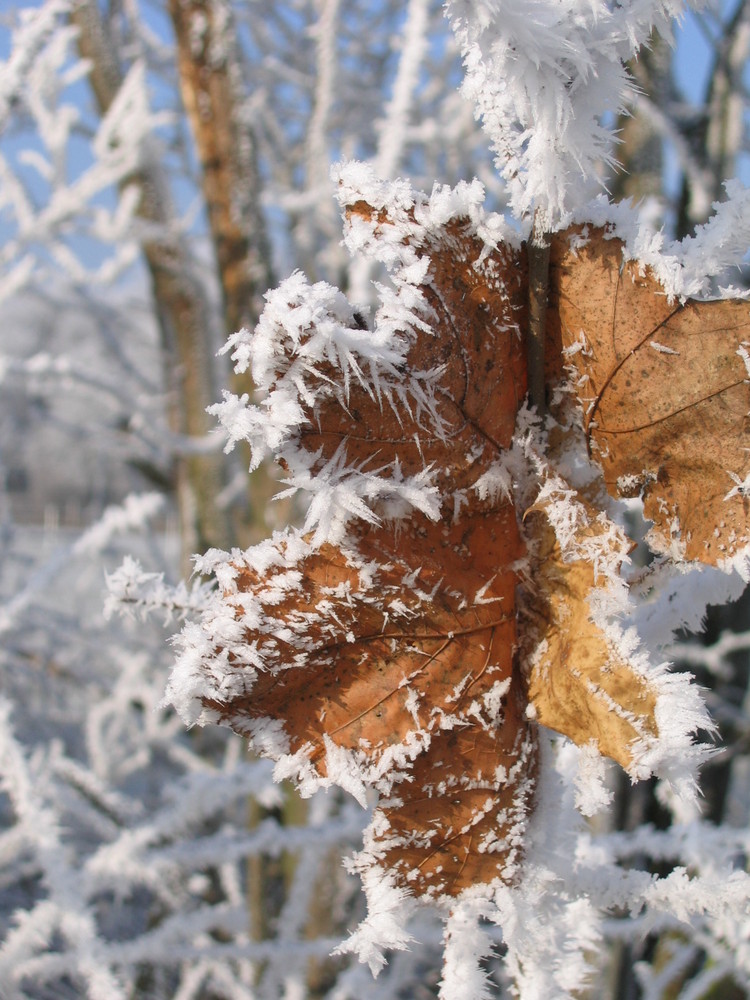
point(133, 591)
point(136, 511)
point(35, 25)
point(66, 911)
point(542, 74)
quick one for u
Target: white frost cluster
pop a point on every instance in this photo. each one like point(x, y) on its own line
point(542, 74)
point(700, 266)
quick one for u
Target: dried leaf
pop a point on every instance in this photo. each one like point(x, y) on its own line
point(388, 663)
point(461, 821)
point(580, 683)
point(442, 408)
point(378, 650)
point(664, 389)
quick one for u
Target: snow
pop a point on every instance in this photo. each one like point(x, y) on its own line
point(384, 928)
point(466, 944)
point(700, 266)
point(542, 73)
point(592, 793)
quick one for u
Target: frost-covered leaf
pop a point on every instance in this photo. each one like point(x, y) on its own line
point(366, 672)
point(665, 391)
point(386, 662)
point(580, 683)
point(376, 649)
point(405, 416)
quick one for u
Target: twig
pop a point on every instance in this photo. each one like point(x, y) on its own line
point(538, 250)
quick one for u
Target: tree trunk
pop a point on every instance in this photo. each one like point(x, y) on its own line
point(210, 84)
point(211, 81)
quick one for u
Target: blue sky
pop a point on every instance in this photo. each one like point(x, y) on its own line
point(693, 58)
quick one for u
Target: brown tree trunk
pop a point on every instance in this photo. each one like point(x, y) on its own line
point(210, 72)
point(210, 84)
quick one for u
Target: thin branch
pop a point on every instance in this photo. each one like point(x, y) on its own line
point(538, 250)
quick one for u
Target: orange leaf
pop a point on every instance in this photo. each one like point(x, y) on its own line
point(376, 674)
point(476, 307)
point(388, 662)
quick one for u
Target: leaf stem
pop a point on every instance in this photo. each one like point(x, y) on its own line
point(538, 250)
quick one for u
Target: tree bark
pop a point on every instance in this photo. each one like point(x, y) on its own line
point(210, 80)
